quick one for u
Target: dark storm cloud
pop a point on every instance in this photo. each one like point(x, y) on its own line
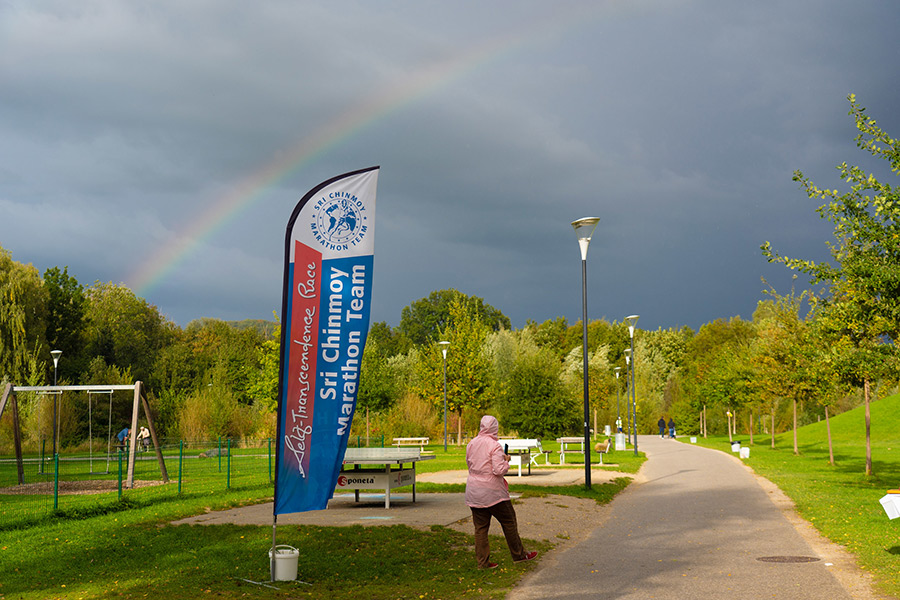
point(678, 123)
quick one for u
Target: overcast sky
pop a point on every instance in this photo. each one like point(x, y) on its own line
point(164, 144)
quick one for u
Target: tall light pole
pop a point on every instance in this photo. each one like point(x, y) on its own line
point(628, 395)
point(632, 321)
point(443, 346)
point(618, 418)
point(584, 228)
point(55, 354)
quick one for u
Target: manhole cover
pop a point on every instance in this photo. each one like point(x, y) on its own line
point(787, 559)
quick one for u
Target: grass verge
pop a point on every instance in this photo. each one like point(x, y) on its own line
point(133, 552)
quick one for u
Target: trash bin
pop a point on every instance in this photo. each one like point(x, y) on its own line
point(693, 440)
point(621, 443)
point(745, 452)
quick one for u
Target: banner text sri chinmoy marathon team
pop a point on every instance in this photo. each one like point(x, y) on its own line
point(338, 378)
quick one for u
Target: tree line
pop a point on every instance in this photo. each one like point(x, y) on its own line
point(800, 357)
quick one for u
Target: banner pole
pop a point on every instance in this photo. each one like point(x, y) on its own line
point(272, 552)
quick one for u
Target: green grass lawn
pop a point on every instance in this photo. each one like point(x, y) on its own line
point(128, 549)
point(840, 501)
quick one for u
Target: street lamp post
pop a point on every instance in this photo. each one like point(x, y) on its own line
point(632, 321)
point(618, 418)
point(443, 346)
point(584, 228)
point(628, 395)
point(55, 354)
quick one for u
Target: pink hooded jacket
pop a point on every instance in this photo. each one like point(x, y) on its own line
point(487, 464)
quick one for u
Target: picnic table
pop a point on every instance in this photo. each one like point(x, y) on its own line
point(379, 469)
point(421, 442)
point(521, 449)
point(566, 444)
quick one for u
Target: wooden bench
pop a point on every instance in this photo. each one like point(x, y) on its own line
point(421, 442)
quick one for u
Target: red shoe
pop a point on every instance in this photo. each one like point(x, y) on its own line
point(528, 556)
point(491, 566)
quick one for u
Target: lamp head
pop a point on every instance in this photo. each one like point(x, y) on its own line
point(443, 346)
point(55, 354)
point(632, 321)
point(584, 229)
point(617, 370)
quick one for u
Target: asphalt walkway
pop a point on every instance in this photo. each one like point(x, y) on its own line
point(696, 524)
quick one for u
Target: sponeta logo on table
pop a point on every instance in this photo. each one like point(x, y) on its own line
point(344, 481)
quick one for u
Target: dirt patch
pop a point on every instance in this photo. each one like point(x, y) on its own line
point(71, 488)
point(562, 520)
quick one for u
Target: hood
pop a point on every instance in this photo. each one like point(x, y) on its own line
point(489, 426)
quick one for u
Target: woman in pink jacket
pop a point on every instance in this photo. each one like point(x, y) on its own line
point(487, 494)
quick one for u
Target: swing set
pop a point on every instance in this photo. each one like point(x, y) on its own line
point(9, 398)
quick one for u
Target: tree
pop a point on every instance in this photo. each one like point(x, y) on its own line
point(536, 403)
point(423, 320)
point(862, 308)
point(785, 358)
point(469, 382)
point(703, 359)
point(124, 329)
point(377, 392)
point(390, 340)
point(23, 318)
point(65, 321)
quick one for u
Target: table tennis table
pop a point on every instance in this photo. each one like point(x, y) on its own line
point(379, 469)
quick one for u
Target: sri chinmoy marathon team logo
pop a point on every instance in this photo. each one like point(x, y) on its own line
point(339, 221)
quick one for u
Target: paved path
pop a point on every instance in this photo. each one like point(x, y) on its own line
point(693, 526)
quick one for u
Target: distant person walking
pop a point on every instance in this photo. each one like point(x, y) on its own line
point(671, 428)
point(662, 426)
point(487, 494)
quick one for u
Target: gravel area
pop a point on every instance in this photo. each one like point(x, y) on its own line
point(559, 519)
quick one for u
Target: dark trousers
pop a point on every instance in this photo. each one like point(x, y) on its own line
point(506, 515)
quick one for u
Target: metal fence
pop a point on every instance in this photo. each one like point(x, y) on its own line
point(84, 482)
point(76, 483)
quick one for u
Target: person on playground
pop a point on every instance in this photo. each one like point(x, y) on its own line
point(662, 426)
point(487, 494)
point(144, 437)
point(122, 436)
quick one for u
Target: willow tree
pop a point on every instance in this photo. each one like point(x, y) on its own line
point(23, 321)
point(862, 308)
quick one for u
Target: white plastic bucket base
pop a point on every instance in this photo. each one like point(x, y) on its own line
point(735, 446)
point(693, 440)
point(745, 452)
point(284, 566)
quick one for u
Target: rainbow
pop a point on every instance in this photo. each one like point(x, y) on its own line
point(392, 98)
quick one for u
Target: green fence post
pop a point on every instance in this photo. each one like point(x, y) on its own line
point(180, 463)
point(228, 474)
point(56, 481)
point(270, 459)
point(43, 442)
point(220, 454)
point(120, 473)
